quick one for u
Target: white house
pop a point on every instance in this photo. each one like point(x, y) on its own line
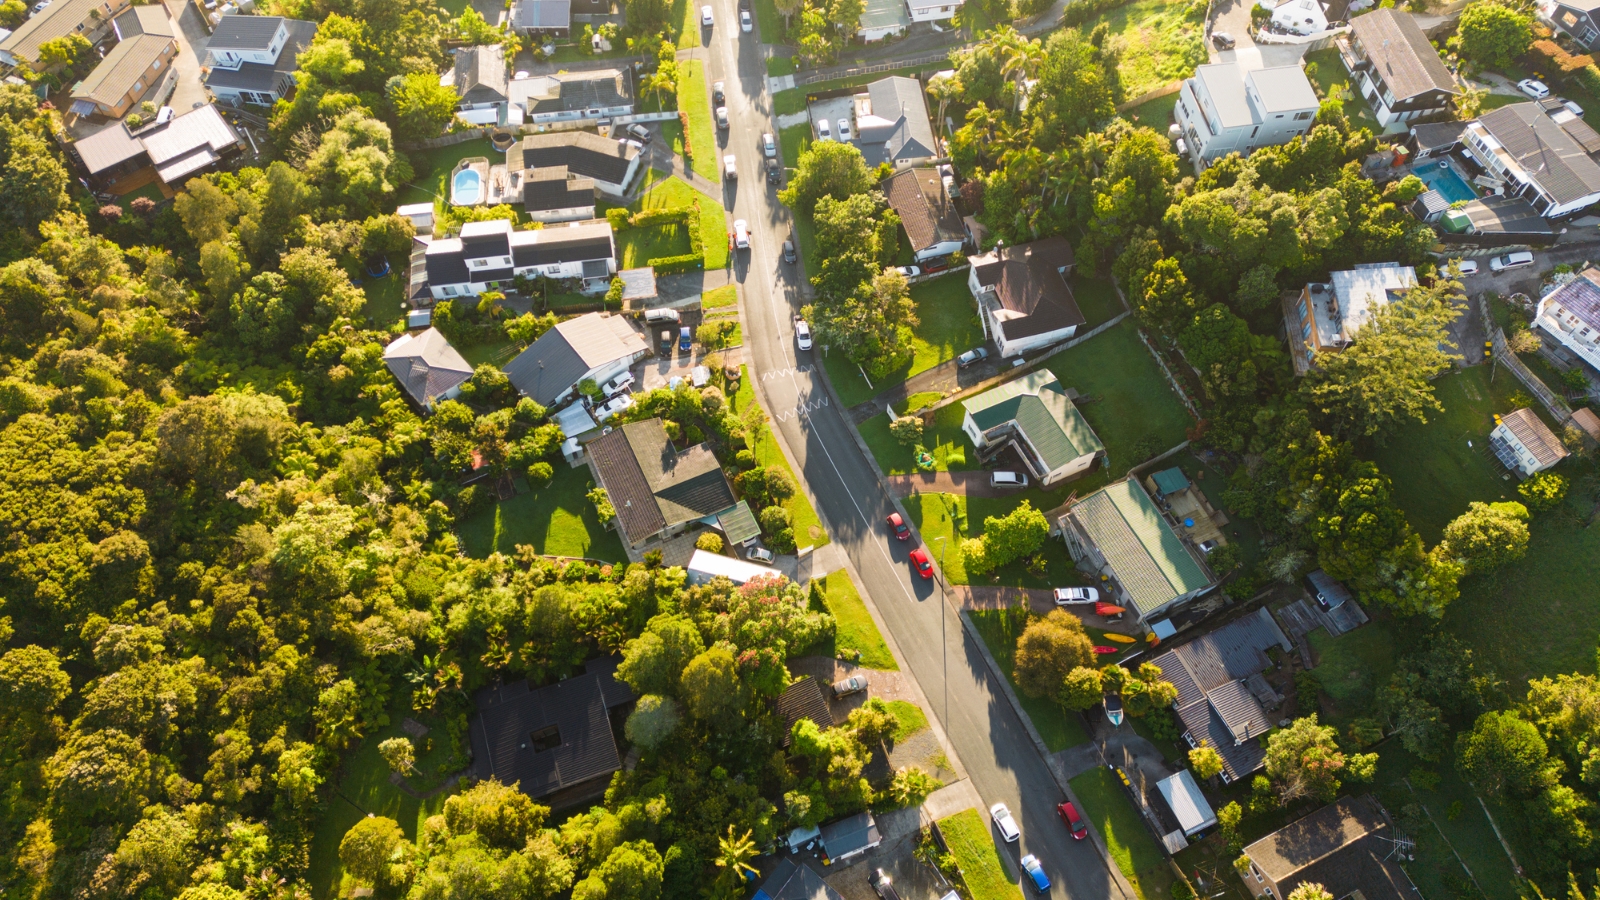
point(1524, 443)
point(1327, 316)
point(1570, 316)
point(1225, 109)
point(1301, 17)
point(587, 96)
point(427, 366)
point(594, 345)
point(882, 18)
point(1034, 416)
point(1024, 302)
point(1535, 158)
point(932, 10)
point(930, 219)
point(488, 255)
point(253, 59)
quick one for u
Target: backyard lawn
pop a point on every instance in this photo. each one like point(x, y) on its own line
point(556, 520)
point(1000, 629)
point(1127, 838)
point(1156, 43)
point(433, 168)
point(385, 298)
point(1155, 113)
point(972, 844)
point(854, 628)
point(947, 326)
point(694, 98)
point(1097, 300)
point(807, 527)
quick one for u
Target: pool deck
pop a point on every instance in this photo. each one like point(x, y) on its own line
point(1429, 171)
point(479, 165)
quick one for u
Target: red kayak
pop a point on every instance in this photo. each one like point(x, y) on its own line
point(1107, 609)
point(1105, 650)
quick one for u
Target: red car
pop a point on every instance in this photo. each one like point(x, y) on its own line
point(1073, 821)
point(898, 526)
point(923, 562)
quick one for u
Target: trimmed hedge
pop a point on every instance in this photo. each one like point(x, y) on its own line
point(618, 217)
point(671, 265)
point(676, 215)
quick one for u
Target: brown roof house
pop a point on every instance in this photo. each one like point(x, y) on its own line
point(1023, 298)
point(90, 18)
point(428, 367)
point(657, 489)
point(930, 219)
point(1525, 444)
point(1349, 848)
point(1396, 67)
point(147, 42)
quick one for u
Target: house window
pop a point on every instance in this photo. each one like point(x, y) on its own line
point(138, 85)
point(1253, 132)
point(478, 263)
point(1302, 116)
point(449, 291)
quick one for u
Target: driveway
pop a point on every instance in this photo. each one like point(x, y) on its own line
point(192, 39)
point(943, 378)
point(970, 484)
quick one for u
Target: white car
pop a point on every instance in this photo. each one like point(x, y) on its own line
point(1008, 479)
point(1573, 108)
point(759, 554)
point(618, 384)
point(741, 228)
point(1004, 822)
point(802, 334)
point(1515, 260)
point(1533, 88)
point(728, 170)
point(722, 117)
point(613, 406)
point(1465, 266)
point(909, 271)
point(1065, 596)
point(522, 76)
point(705, 16)
point(769, 147)
point(745, 24)
point(824, 131)
point(844, 129)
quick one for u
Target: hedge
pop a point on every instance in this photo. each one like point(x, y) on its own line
point(675, 215)
point(1081, 11)
point(671, 265)
point(1589, 77)
point(1559, 58)
point(618, 217)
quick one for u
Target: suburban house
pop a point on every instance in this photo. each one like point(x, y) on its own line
point(804, 698)
point(792, 879)
point(182, 146)
point(559, 739)
point(1119, 532)
point(587, 96)
point(1524, 444)
point(1579, 18)
point(610, 164)
point(543, 18)
point(1034, 415)
point(892, 124)
point(1300, 17)
point(551, 195)
point(1024, 302)
point(489, 255)
point(427, 366)
point(657, 489)
point(1328, 316)
point(90, 18)
point(1224, 109)
point(1222, 697)
point(480, 82)
point(849, 837)
point(146, 43)
point(930, 219)
point(880, 19)
point(1347, 848)
point(1535, 158)
point(1396, 68)
point(253, 59)
point(932, 10)
point(1569, 317)
point(594, 345)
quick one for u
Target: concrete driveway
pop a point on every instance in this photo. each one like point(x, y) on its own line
point(192, 38)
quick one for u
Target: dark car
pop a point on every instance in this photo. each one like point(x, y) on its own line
point(774, 172)
point(788, 252)
point(1222, 40)
point(922, 561)
point(666, 343)
point(936, 265)
point(897, 525)
point(883, 886)
point(685, 340)
point(1074, 822)
point(718, 96)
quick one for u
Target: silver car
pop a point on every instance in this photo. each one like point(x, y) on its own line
point(851, 685)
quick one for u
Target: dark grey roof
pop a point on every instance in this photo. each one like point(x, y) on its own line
point(547, 368)
point(929, 217)
point(1330, 588)
point(578, 709)
point(1435, 135)
point(899, 99)
point(1585, 6)
point(600, 89)
point(480, 73)
point(850, 835)
point(261, 76)
point(794, 880)
point(1545, 150)
point(654, 485)
point(1027, 280)
point(804, 699)
point(239, 31)
point(1204, 726)
point(1401, 53)
point(1344, 847)
point(1506, 215)
point(446, 268)
point(560, 244)
point(491, 238)
point(582, 152)
point(1239, 710)
point(1429, 204)
point(426, 365)
point(546, 189)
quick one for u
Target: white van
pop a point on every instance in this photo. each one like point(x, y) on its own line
point(1511, 261)
point(1008, 479)
point(661, 316)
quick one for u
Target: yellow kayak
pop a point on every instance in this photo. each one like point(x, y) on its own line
point(1120, 638)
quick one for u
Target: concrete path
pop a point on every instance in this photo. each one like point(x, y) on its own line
point(192, 39)
point(949, 800)
point(970, 484)
point(1040, 599)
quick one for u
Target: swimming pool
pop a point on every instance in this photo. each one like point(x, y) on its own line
point(1442, 178)
point(467, 188)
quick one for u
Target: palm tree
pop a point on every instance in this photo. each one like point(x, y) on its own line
point(943, 90)
point(734, 853)
point(1020, 57)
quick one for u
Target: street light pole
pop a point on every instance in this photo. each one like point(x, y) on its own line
point(944, 646)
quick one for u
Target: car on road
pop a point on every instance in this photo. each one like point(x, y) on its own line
point(852, 685)
point(1515, 260)
point(1222, 40)
point(618, 384)
point(1076, 826)
point(802, 334)
point(722, 117)
point(1065, 596)
point(1003, 821)
point(685, 339)
point(897, 525)
point(705, 17)
point(1005, 478)
point(729, 171)
point(1533, 88)
point(824, 130)
point(976, 354)
point(640, 133)
point(741, 228)
point(759, 554)
point(613, 406)
point(922, 562)
point(769, 147)
point(883, 886)
point(745, 23)
point(1465, 266)
point(774, 172)
point(788, 252)
point(1041, 881)
point(908, 271)
point(719, 96)
point(844, 129)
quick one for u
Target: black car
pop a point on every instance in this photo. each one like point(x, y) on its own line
point(883, 886)
point(1222, 40)
point(774, 172)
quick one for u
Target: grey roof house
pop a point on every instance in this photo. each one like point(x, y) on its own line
point(930, 219)
point(573, 96)
point(1024, 302)
point(850, 837)
point(1579, 18)
point(178, 148)
point(612, 165)
point(1348, 848)
point(1119, 531)
point(1396, 68)
point(427, 366)
point(892, 123)
point(1535, 158)
point(542, 17)
point(792, 879)
point(479, 76)
point(1034, 415)
point(657, 489)
point(253, 59)
point(593, 345)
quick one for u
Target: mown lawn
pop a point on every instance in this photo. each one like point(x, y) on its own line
point(1097, 300)
point(717, 298)
point(776, 65)
point(807, 527)
point(971, 843)
point(951, 449)
point(1332, 81)
point(640, 245)
point(1000, 629)
point(1134, 850)
point(947, 326)
point(854, 629)
point(385, 297)
point(433, 168)
point(674, 191)
point(1156, 43)
point(1155, 113)
point(957, 516)
point(694, 98)
point(557, 520)
point(910, 716)
point(1353, 666)
point(687, 14)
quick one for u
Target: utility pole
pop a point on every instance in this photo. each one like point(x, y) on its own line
point(944, 646)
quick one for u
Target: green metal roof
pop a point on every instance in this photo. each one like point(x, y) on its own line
point(1042, 412)
point(1170, 481)
point(1143, 552)
point(738, 524)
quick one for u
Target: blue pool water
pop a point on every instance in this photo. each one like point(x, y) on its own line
point(1445, 180)
point(467, 189)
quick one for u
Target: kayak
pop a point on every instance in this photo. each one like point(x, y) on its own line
point(1107, 609)
point(1105, 650)
point(1120, 638)
point(1152, 639)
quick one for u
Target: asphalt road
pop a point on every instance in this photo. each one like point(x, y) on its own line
point(993, 745)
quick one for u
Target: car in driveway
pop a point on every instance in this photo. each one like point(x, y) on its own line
point(1222, 40)
point(897, 526)
point(883, 886)
point(1001, 817)
point(618, 384)
point(639, 132)
point(824, 130)
point(847, 686)
point(922, 562)
point(741, 232)
point(788, 252)
point(719, 96)
point(759, 554)
point(844, 129)
point(722, 117)
point(1572, 107)
point(908, 271)
point(729, 169)
point(705, 17)
point(685, 339)
point(802, 334)
point(1533, 88)
point(1067, 596)
point(769, 147)
point(976, 354)
point(1007, 479)
point(1513, 260)
point(1076, 826)
point(745, 24)
point(1465, 266)
point(612, 407)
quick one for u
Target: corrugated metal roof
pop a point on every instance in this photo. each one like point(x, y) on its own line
point(133, 60)
point(1239, 710)
point(1143, 552)
point(1545, 150)
point(1041, 411)
point(1580, 297)
point(59, 19)
point(739, 524)
point(1532, 433)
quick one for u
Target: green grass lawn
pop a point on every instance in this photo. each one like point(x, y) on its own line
point(1155, 43)
point(776, 65)
point(854, 628)
point(951, 448)
point(910, 716)
point(364, 787)
point(793, 141)
point(1331, 80)
point(557, 520)
point(956, 516)
point(433, 168)
point(1353, 666)
point(787, 103)
point(1129, 841)
point(1097, 300)
point(496, 353)
point(674, 191)
point(947, 326)
point(694, 98)
point(971, 843)
point(1000, 629)
point(687, 14)
point(385, 298)
point(1155, 113)
point(807, 527)
point(717, 298)
point(639, 245)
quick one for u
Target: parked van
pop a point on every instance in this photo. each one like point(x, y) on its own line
point(661, 317)
point(1511, 261)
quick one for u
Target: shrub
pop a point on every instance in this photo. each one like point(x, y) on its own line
point(1543, 491)
point(672, 265)
point(744, 459)
point(540, 473)
point(906, 429)
point(710, 541)
point(782, 542)
point(774, 519)
point(618, 217)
